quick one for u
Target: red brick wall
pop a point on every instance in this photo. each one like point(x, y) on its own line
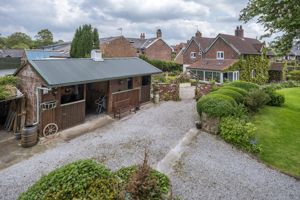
point(119, 47)
point(159, 51)
point(193, 47)
point(220, 45)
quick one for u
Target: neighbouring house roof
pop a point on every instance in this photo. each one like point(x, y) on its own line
point(37, 54)
point(202, 42)
point(62, 72)
point(276, 66)
point(12, 53)
point(4, 72)
point(213, 64)
point(139, 43)
point(241, 45)
point(295, 51)
point(64, 47)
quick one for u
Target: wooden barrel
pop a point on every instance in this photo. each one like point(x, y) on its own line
point(29, 136)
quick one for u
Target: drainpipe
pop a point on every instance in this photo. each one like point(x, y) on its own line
point(38, 103)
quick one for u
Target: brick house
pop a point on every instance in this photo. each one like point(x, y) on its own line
point(194, 50)
point(154, 48)
point(117, 47)
point(221, 53)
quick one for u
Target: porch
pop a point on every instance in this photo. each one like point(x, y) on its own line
point(217, 76)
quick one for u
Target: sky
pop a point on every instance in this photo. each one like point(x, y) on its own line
point(178, 19)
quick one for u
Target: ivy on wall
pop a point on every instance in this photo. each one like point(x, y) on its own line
point(249, 65)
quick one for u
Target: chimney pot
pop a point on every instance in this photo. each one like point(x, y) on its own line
point(158, 33)
point(96, 55)
point(142, 36)
point(198, 34)
point(239, 31)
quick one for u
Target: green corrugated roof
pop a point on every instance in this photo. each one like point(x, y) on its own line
point(62, 72)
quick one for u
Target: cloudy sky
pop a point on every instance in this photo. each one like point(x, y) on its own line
point(178, 19)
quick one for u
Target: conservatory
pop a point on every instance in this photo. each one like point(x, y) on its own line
point(214, 70)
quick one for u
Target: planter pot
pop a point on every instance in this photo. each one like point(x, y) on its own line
point(17, 136)
point(29, 136)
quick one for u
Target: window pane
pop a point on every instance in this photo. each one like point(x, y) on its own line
point(230, 76)
point(216, 76)
point(208, 76)
point(200, 75)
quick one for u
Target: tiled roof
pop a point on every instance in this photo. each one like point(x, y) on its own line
point(242, 44)
point(213, 64)
point(203, 42)
point(36, 54)
point(13, 53)
point(139, 43)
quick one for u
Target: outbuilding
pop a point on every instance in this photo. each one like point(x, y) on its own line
point(61, 92)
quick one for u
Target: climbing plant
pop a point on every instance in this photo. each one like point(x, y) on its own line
point(252, 68)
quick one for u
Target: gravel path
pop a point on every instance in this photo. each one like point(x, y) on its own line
point(122, 143)
point(212, 169)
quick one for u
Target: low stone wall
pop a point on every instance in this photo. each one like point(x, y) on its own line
point(168, 91)
point(203, 89)
point(210, 124)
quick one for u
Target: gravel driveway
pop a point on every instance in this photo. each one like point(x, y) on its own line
point(209, 169)
point(120, 144)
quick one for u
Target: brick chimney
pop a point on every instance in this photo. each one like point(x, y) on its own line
point(239, 31)
point(198, 34)
point(158, 33)
point(142, 36)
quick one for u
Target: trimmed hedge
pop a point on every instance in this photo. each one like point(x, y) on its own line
point(276, 99)
point(294, 75)
point(216, 105)
point(256, 99)
point(239, 90)
point(244, 85)
point(228, 92)
point(165, 66)
point(83, 179)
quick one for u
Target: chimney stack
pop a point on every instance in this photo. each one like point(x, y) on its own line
point(239, 31)
point(142, 36)
point(158, 33)
point(198, 34)
point(96, 55)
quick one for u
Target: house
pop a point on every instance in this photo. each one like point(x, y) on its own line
point(221, 53)
point(276, 71)
point(117, 47)
point(194, 50)
point(10, 60)
point(66, 90)
point(153, 48)
point(178, 50)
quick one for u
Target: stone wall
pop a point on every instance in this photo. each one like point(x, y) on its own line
point(168, 91)
point(210, 124)
point(203, 89)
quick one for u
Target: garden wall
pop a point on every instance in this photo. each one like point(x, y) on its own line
point(203, 89)
point(168, 91)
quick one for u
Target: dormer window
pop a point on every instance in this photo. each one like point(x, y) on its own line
point(220, 55)
point(193, 55)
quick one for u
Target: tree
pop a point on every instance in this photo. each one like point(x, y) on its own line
point(2, 41)
point(277, 17)
point(96, 41)
point(85, 39)
point(44, 37)
point(20, 46)
point(18, 38)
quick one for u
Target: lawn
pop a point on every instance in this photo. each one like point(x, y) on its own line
point(279, 133)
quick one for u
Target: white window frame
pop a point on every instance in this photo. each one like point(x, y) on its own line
point(253, 73)
point(220, 53)
point(193, 54)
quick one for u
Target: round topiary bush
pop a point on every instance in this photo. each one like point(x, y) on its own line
point(239, 90)
point(216, 105)
point(228, 92)
point(244, 85)
point(83, 179)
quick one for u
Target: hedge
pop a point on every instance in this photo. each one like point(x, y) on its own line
point(228, 92)
point(239, 90)
point(83, 179)
point(165, 66)
point(294, 75)
point(244, 85)
point(216, 105)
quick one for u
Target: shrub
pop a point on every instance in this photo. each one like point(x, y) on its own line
point(8, 80)
point(244, 85)
point(228, 92)
point(256, 99)
point(83, 179)
point(276, 99)
point(165, 66)
point(240, 111)
point(239, 90)
point(294, 75)
point(240, 133)
point(142, 182)
point(216, 105)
